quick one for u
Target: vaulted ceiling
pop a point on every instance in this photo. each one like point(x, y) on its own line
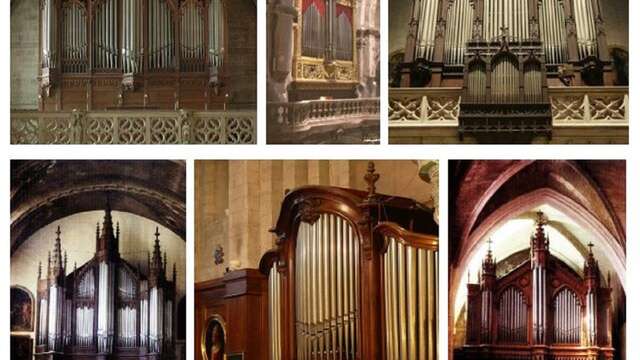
point(44, 191)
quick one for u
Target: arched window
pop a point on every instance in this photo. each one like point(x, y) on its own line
point(21, 309)
point(566, 317)
point(512, 317)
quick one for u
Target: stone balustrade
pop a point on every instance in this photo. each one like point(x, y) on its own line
point(424, 106)
point(133, 127)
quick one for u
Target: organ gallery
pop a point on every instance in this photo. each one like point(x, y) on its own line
point(540, 309)
point(106, 308)
point(323, 71)
point(353, 275)
point(503, 71)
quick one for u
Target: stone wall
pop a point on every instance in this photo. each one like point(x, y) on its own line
point(237, 202)
point(24, 54)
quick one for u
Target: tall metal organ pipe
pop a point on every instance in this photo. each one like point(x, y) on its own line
point(458, 32)
point(327, 283)
point(105, 35)
point(313, 30)
point(49, 34)
point(411, 296)
point(131, 36)
point(106, 307)
point(477, 82)
point(216, 33)
point(553, 33)
point(512, 317)
point(585, 28)
point(191, 38)
point(532, 82)
point(161, 35)
point(506, 14)
point(344, 33)
point(426, 37)
point(275, 331)
point(74, 39)
point(505, 80)
point(566, 318)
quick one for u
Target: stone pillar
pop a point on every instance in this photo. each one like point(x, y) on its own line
point(368, 47)
point(281, 15)
point(429, 171)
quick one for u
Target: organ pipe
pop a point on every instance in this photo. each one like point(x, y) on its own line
point(161, 35)
point(532, 82)
point(459, 30)
point(74, 38)
point(313, 29)
point(411, 295)
point(216, 33)
point(55, 321)
point(553, 33)
point(511, 15)
point(191, 38)
point(592, 318)
point(505, 80)
point(512, 317)
point(566, 318)
point(426, 37)
point(275, 349)
point(326, 303)
point(105, 307)
point(585, 28)
point(156, 318)
point(344, 33)
point(42, 321)
point(49, 30)
point(131, 36)
point(105, 32)
point(477, 82)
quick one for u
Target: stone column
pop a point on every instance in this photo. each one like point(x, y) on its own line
point(281, 15)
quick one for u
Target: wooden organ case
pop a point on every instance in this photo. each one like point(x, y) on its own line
point(541, 310)
point(106, 308)
point(132, 54)
point(504, 54)
point(324, 63)
point(353, 276)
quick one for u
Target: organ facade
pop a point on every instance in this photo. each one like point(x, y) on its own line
point(516, 68)
point(106, 308)
point(541, 309)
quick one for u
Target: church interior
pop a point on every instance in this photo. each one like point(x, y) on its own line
point(509, 71)
point(537, 254)
point(133, 71)
point(323, 71)
point(314, 259)
point(98, 265)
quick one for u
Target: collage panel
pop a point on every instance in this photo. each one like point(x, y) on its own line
point(311, 259)
point(323, 72)
point(537, 253)
point(508, 72)
point(98, 259)
point(133, 72)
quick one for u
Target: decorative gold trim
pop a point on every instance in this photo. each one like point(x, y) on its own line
point(311, 69)
point(203, 333)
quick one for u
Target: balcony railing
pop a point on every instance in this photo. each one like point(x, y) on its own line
point(291, 117)
point(424, 106)
point(570, 106)
point(590, 106)
point(133, 127)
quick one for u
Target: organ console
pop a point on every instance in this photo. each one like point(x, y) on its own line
point(541, 309)
point(108, 54)
point(106, 308)
point(354, 275)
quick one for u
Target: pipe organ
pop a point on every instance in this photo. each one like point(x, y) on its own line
point(105, 307)
point(354, 276)
point(324, 59)
point(569, 35)
point(540, 309)
point(109, 54)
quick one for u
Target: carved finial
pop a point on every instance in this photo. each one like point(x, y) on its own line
point(58, 232)
point(590, 245)
point(371, 177)
point(97, 230)
point(157, 234)
point(39, 269)
point(118, 230)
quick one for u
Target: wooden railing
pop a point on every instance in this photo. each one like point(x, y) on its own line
point(133, 127)
point(302, 115)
